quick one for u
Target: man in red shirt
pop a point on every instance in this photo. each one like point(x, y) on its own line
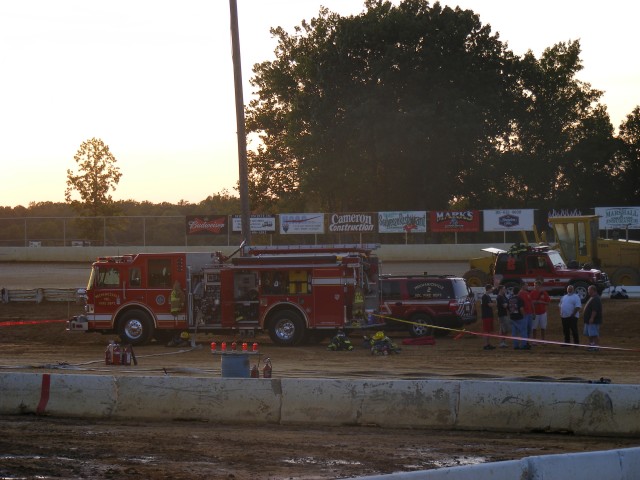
point(528, 309)
point(540, 299)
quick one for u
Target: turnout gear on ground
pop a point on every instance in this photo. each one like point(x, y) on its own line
point(380, 344)
point(340, 342)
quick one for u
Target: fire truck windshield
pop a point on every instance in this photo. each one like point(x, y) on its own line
point(92, 278)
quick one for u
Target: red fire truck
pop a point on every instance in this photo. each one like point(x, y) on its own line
point(295, 293)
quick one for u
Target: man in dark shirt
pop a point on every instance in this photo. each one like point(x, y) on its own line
point(518, 321)
point(593, 318)
point(486, 307)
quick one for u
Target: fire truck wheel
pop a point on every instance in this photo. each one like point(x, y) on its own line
point(419, 327)
point(582, 290)
point(286, 328)
point(135, 327)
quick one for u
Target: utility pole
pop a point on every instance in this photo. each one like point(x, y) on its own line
point(242, 136)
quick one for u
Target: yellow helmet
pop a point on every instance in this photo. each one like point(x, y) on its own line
point(184, 335)
point(378, 336)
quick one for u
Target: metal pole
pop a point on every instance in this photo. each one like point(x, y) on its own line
point(242, 138)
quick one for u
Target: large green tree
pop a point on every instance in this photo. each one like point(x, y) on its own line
point(97, 175)
point(629, 156)
point(382, 110)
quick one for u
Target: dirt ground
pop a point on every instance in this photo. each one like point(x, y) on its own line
point(42, 447)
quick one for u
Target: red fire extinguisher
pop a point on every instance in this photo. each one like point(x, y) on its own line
point(255, 373)
point(267, 369)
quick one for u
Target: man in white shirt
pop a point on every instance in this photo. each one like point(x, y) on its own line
point(570, 306)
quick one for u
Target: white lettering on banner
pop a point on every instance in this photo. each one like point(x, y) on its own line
point(508, 220)
point(351, 222)
point(451, 215)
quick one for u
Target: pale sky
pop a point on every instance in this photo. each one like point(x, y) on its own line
point(153, 79)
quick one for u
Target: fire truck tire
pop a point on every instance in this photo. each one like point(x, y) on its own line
point(286, 328)
point(135, 327)
point(625, 276)
point(582, 290)
point(420, 325)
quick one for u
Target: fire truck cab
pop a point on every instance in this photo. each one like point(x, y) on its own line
point(293, 293)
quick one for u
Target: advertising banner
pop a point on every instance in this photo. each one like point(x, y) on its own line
point(299, 223)
point(258, 223)
point(453, 221)
point(207, 224)
point(352, 222)
point(618, 217)
point(508, 220)
point(402, 222)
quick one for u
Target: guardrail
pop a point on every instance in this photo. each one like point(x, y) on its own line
point(38, 295)
point(631, 291)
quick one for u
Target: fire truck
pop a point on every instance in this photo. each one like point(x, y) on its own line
point(295, 293)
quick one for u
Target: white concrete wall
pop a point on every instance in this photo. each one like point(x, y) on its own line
point(623, 464)
point(388, 253)
point(585, 409)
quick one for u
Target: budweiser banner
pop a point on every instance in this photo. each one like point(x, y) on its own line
point(258, 223)
point(402, 222)
point(618, 217)
point(508, 220)
point(450, 221)
point(352, 222)
point(207, 224)
point(292, 223)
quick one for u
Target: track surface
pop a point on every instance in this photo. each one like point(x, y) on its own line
point(41, 447)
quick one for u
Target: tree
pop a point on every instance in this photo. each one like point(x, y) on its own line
point(382, 110)
point(629, 174)
point(97, 175)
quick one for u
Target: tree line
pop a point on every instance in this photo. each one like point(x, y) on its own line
point(403, 107)
point(419, 106)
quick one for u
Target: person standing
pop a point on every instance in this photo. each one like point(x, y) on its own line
point(502, 303)
point(528, 308)
point(518, 325)
point(570, 306)
point(593, 318)
point(540, 299)
point(486, 308)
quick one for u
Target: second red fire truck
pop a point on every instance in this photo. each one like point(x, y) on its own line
point(295, 293)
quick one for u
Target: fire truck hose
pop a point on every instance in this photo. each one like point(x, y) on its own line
point(462, 332)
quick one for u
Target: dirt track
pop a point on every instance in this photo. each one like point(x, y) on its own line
point(41, 447)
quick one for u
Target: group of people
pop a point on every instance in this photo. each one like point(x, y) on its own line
point(524, 312)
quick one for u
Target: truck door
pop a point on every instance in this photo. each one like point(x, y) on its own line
point(107, 295)
point(539, 267)
point(159, 285)
point(329, 297)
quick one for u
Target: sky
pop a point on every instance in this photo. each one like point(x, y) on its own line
point(154, 80)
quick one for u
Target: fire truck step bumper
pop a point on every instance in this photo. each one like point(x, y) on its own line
point(78, 324)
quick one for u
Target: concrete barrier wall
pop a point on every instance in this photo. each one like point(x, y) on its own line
point(388, 253)
point(583, 409)
point(391, 403)
point(586, 409)
point(623, 464)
